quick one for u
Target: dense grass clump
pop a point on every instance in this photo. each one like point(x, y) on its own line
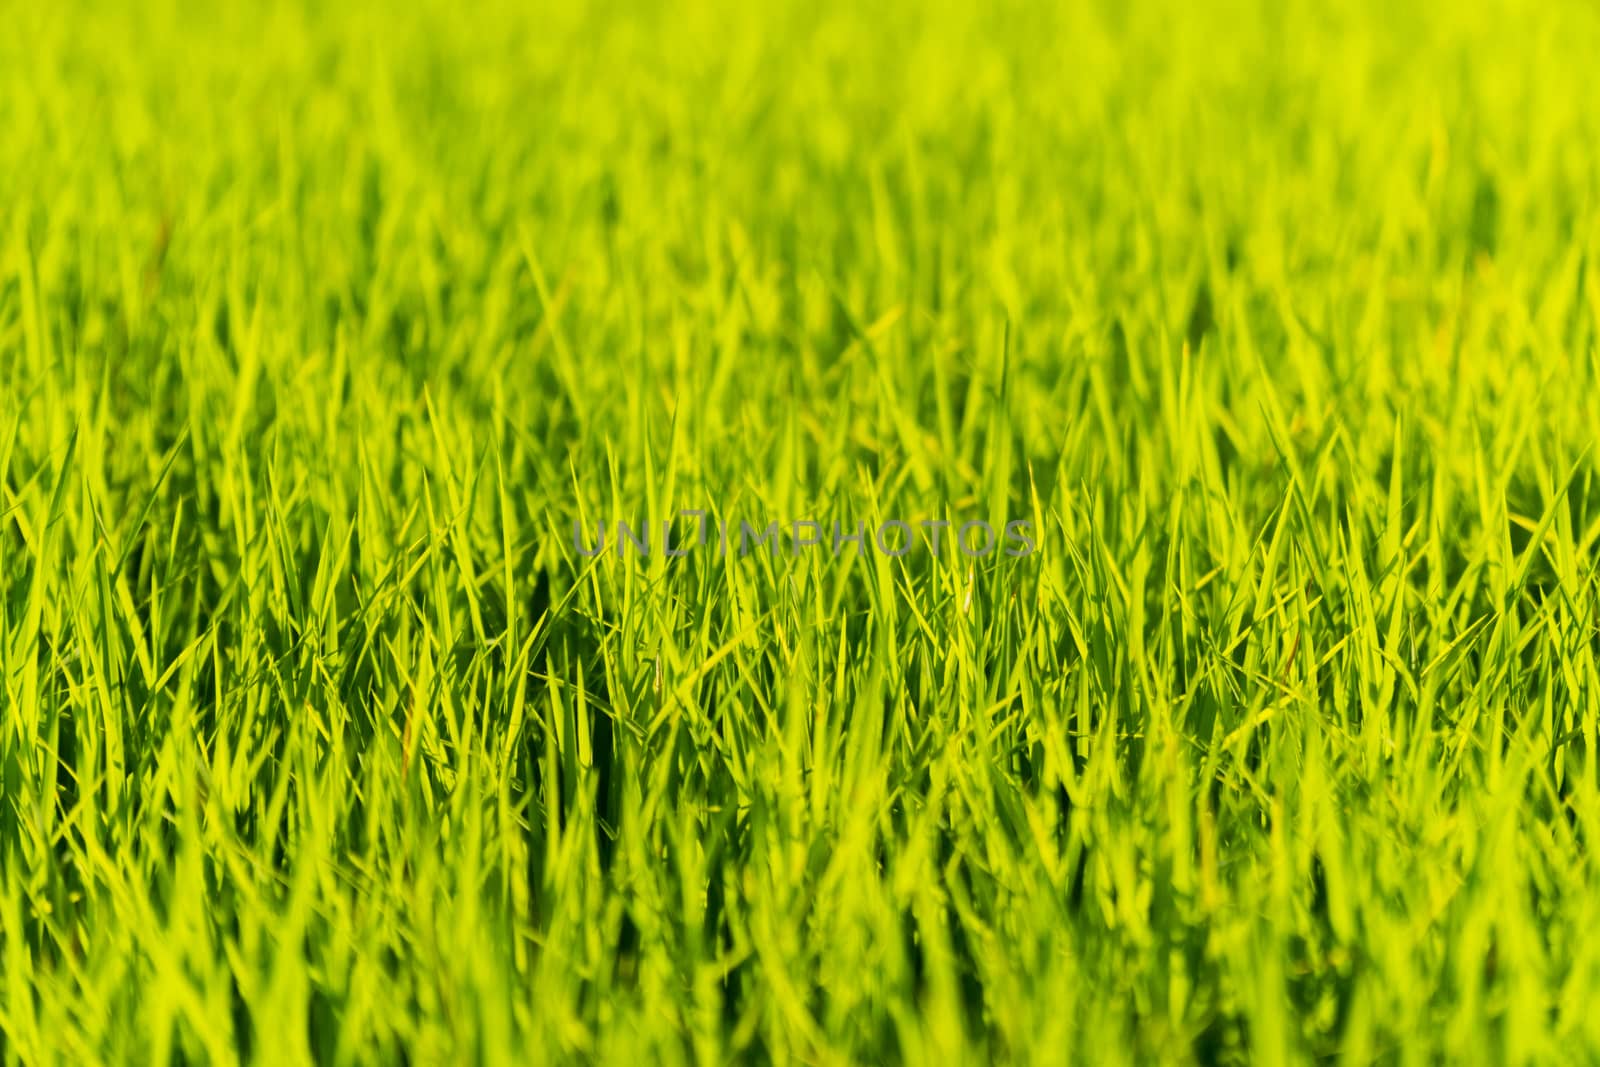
point(321, 327)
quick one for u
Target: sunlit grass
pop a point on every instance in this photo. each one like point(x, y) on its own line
point(320, 328)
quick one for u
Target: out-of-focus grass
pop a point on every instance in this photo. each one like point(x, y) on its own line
point(318, 741)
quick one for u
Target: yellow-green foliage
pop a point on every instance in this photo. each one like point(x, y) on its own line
point(320, 325)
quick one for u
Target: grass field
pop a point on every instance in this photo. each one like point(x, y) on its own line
point(320, 329)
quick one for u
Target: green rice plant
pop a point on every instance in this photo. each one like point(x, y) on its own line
point(340, 723)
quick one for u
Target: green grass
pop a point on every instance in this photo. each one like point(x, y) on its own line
point(318, 329)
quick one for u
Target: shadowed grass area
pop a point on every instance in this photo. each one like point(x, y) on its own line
point(320, 329)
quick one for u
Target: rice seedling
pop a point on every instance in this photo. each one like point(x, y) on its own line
point(799, 533)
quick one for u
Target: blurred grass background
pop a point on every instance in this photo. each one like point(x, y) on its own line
point(318, 327)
